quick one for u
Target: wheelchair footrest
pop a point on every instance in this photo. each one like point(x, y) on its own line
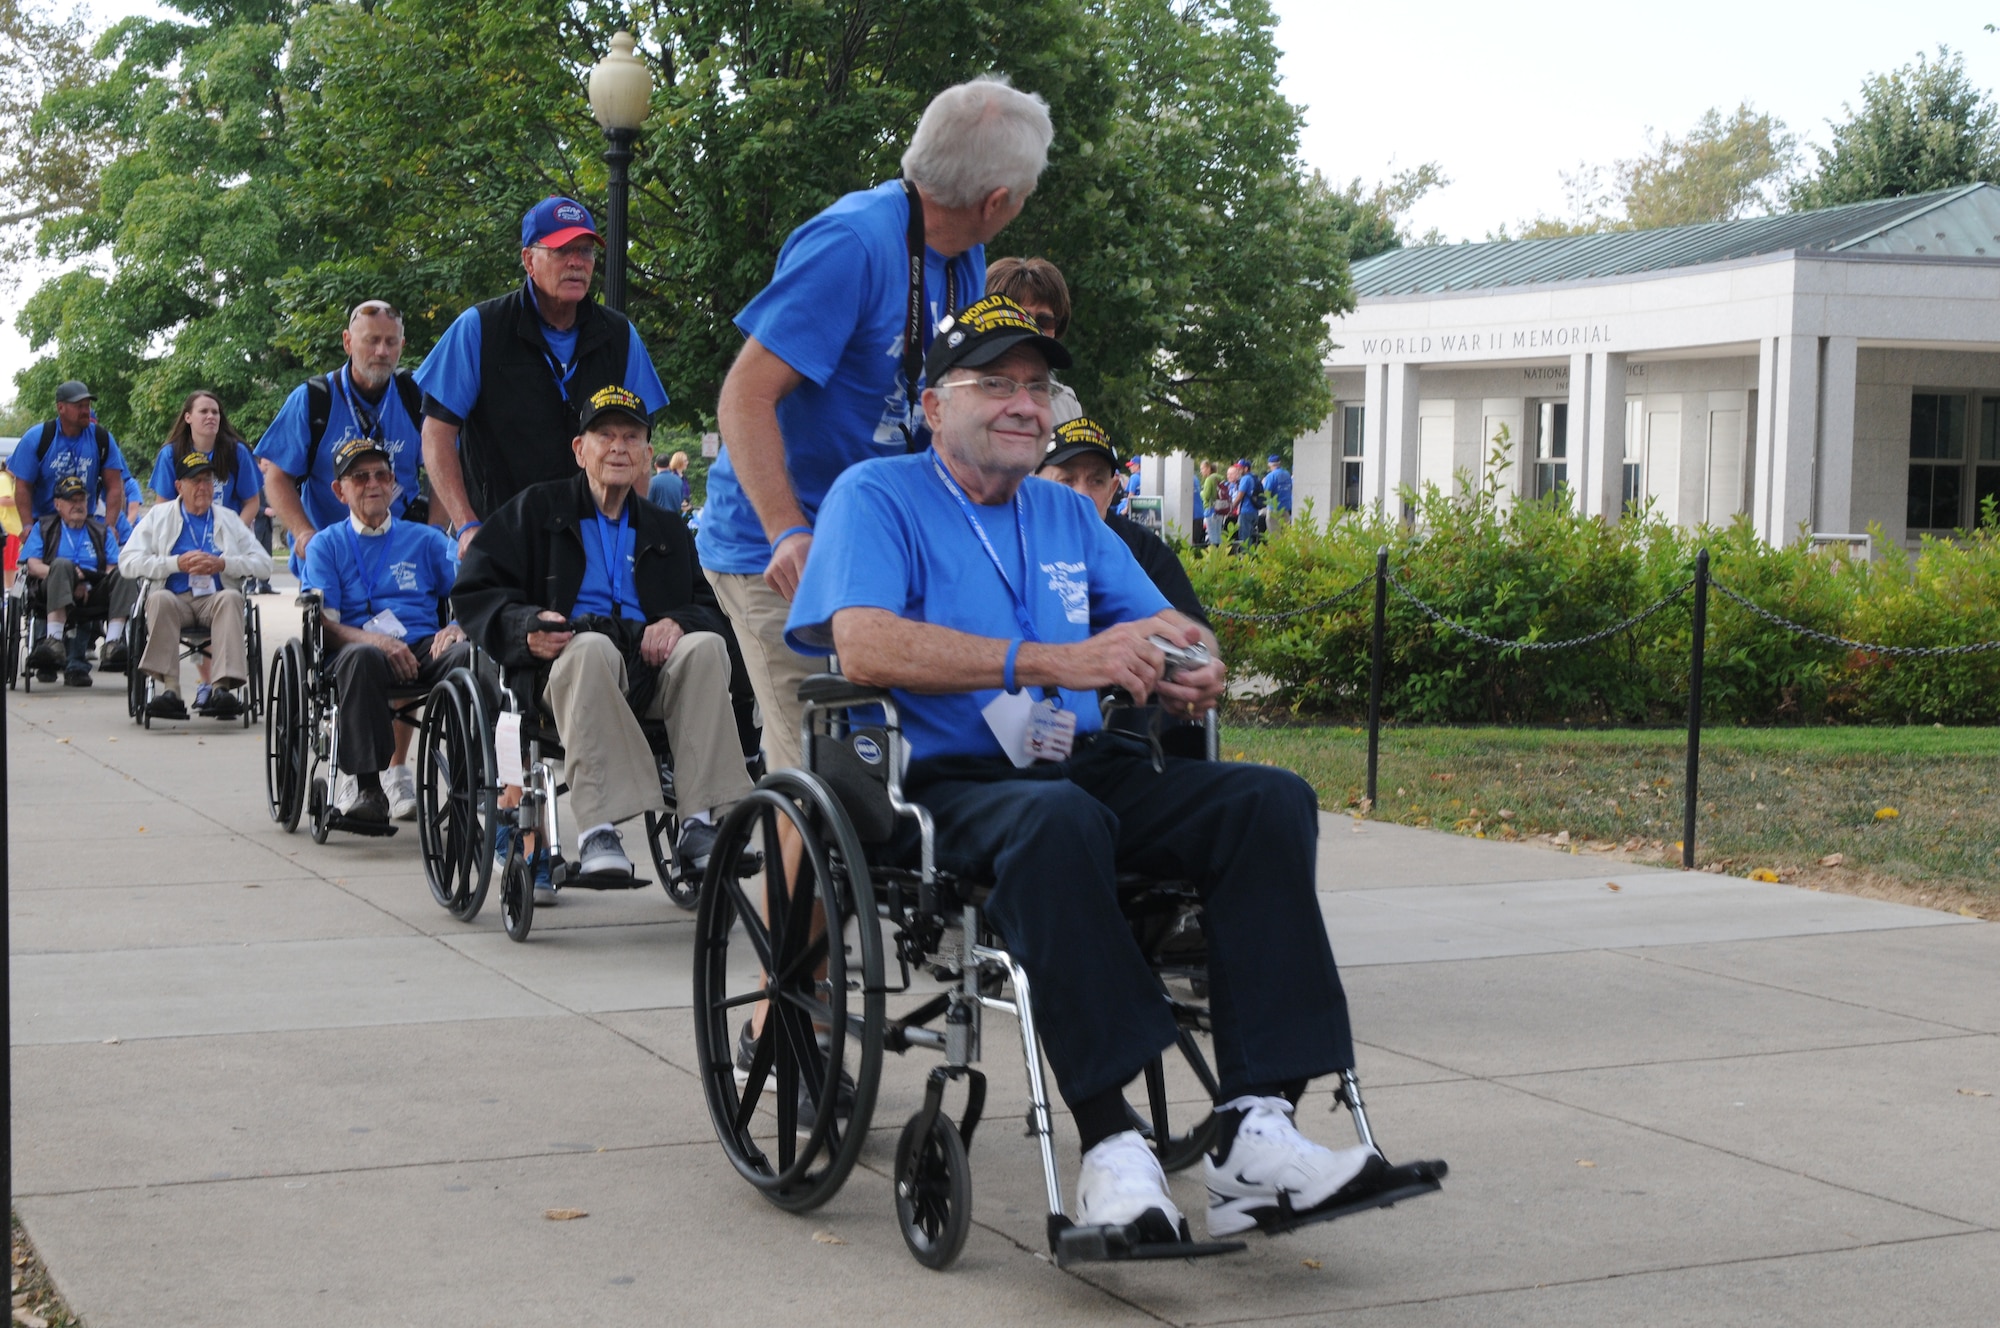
point(605, 881)
point(1382, 1186)
point(369, 829)
point(1147, 1238)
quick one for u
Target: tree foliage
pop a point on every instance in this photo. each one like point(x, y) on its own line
point(272, 162)
point(1922, 127)
point(45, 168)
point(1718, 171)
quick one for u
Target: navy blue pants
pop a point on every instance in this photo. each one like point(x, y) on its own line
point(1053, 837)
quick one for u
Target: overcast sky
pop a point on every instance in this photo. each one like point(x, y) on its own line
point(1505, 97)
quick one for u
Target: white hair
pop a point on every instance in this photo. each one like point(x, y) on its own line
point(977, 137)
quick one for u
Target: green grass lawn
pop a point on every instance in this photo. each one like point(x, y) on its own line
point(1914, 806)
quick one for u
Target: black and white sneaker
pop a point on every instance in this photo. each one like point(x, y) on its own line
point(602, 853)
point(696, 843)
point(1272, 1171)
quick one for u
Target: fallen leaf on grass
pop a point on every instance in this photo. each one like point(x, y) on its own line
point(827, 1238)
point(1833, 860)
point(564, 1214)
point(1585, 1162)
point(1562, 837)
point(1313, 1264)
point(1763, 874)
point(1886, 813)
point(1967, 911)
point(29, 1319)
point(1973, 1092)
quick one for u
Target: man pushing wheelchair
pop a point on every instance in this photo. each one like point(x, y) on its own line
point(993, 605)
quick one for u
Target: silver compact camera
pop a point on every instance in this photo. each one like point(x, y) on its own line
point(1180, 658)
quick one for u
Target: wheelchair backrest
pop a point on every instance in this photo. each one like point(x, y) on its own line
point(855, 765)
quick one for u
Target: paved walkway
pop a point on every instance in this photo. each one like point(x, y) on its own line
point(259, 1082)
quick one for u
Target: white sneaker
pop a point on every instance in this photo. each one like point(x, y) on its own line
point(400, 783)
point(346, 792)
point(1120, 1182)
point(1269, 1157)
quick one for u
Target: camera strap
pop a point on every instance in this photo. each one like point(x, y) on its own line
point(913, 315)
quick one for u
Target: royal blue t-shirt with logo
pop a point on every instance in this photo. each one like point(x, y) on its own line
point(242, 487)
point(288, 441)
point(836, 312)
point(122, 523)
point(68, 455)
point(1278, 488)
point(74, 545)
point(891, 536)
point(406, 571)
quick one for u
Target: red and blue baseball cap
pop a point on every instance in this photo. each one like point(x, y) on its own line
point(554, 222)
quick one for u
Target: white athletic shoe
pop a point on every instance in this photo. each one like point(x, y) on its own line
point(1270, 1157)
point(400, 783)
point(346, 792)
point(1120, 1182)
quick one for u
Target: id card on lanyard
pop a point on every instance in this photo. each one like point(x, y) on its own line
point(1026, 729)
point(201, 583)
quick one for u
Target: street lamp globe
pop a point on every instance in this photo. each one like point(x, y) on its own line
point(621, 87)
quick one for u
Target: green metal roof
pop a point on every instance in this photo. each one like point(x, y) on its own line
point(1962, 222)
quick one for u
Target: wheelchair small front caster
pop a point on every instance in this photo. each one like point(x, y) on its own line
point(517, 894)
point(933, 1191)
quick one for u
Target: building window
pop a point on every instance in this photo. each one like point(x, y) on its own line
point(1986, 475)
point(1937, 461)
point(1552, 449)
point(1350, 457)
point(1635, 451)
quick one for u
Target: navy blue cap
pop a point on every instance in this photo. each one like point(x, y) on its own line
point(554, 222)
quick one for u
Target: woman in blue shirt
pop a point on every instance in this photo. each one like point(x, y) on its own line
point(204, 427)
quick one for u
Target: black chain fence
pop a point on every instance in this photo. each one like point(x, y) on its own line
point(1829, 639)
point(1528, 643)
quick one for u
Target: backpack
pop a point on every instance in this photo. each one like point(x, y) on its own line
point(50, 544)
point(319, 408)
point(52, 429)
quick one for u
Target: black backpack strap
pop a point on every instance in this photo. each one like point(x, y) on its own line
point(96, 529)
point(49, 432)
point(412, 395)
point(319, 409)
point(49, 544)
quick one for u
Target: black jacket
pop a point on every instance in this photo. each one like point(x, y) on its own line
point(1159, 564)
point(519, 429)
point(529, 556)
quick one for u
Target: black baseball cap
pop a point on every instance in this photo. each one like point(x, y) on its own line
point(982, 333)
point(69, 486)
point(355, 450)
point(614, 400)
point(1076, 437)
point(191, 465)
point(68, 394)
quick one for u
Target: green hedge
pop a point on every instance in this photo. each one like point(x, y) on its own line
point(1537, 570)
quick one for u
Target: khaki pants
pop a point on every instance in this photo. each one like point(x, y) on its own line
point(776, 670)
point(167, 614)
point(611, 772)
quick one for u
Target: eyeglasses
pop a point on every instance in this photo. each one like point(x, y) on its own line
point(377, 475)
point(1002, 388)
point(571, 252)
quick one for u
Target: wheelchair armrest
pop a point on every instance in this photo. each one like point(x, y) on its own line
point(309, 600)
point(831, 689)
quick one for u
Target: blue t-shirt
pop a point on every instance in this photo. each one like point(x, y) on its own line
point(74, 545)
point(1278, 486)
point(197, 536)
point(349, 415)
point(68, 455)
point(891, 536)
point(242, 487)
point(667, 490)
point(122, 523)
point(608, 588)
point(450, 373)
point(835, 311)
point(406, 571)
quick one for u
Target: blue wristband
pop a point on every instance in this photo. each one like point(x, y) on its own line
point(784, 535)
point(460, 532)
point(1007, 670)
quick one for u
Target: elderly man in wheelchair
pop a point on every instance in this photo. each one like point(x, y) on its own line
point(593, 595)
point(378, 582)
point(991, 607)
point(71, 564)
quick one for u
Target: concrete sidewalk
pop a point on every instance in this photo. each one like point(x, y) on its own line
point(260, 1082)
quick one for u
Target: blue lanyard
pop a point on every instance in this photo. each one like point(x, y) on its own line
point(562, 372)
point(72, 544)
point(1022, 616)
point(204, 535)
point(365, 417)
point(371, 576)
point(611, 543)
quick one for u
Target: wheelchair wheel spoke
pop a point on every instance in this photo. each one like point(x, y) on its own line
point(801, 967)
point(753, 922)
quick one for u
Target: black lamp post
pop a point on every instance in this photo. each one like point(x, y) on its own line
point(621, 91)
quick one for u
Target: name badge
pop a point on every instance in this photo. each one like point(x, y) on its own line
point(1051, 732)
point(387, 623)
point(201, 584)
point(1029, 730)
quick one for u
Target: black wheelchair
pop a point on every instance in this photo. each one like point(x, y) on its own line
point(302, 750)
point(454, 739)
point(811, 950)
point(26, 617)
point(193, 645)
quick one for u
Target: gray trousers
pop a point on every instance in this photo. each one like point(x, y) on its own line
point(611, 772)
point(110, 594)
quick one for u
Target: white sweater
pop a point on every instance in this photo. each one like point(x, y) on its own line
point(149, 553)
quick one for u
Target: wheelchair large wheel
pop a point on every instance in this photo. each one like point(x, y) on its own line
point(253, 649)
point(135, 677)
point(285, 738)
point(12, 643)
point(456, 795)
point(1180, 1149)
point(821, 1044)
point(933, 1191)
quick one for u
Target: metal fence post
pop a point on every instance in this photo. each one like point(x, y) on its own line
point(1695, 655)
point(1375, 668)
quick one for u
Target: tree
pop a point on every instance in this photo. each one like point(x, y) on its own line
point(1374, 219)
point(1923, 127)
point(45, 170)
point(277, 161)
point(1718, 171)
